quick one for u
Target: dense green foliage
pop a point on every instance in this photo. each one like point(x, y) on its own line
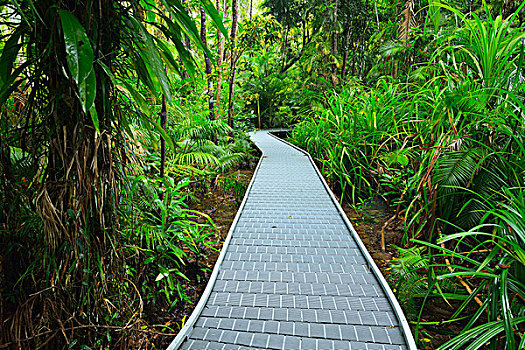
point(97, 244)
point(112, 121)
point(442, 142)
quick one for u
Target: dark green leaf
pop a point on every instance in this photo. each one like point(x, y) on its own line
point(80, 58)
point(9, 53)
point(80, 55)
point(166, 54)
point(150, 54)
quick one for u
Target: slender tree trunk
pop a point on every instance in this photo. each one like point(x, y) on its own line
point(208, 65)
point(334, 45)
point(251, 8)
point(163, 122)
point(377, 15)
point(345, 53)
point(355, 45)
point(225, 54)
point(231, 92)
point(284, 49)
point(220, 52)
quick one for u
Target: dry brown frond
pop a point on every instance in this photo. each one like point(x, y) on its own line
point(408, 21)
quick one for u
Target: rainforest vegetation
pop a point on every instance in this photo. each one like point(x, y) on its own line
point(119, 118)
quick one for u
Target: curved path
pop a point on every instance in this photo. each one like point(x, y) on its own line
point(293, 273)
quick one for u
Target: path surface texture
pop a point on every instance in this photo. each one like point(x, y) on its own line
point(292, 274)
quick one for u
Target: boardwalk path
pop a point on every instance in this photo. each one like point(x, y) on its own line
point(293, 275)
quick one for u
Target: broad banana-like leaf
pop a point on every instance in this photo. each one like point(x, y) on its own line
point(80, 55)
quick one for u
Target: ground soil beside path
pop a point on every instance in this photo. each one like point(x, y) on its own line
point(368, 222)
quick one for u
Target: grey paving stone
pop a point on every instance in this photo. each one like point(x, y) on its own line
point(301, 329)
point(364, 334)
point(260, 340)
point(341, 345)
point(213, 335)
point(358, 346)
point(308, 344)
point(196, 344)
point(256, 326)
point(291, 342)
point(380, 335)
point(275, 341)
point(333, 331)
point(241, 325)
point(225, 323)
point(375, 346)
point(244, 338)
point(271, 326)
point(325, 344)
point(198, 333)
point(317, 330)
point(229, 336)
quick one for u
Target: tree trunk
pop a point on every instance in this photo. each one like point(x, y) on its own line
point(345, 53)
point(208, 65)
point(163, 122)
point(284, 50)
point(233, 61)
point(220, 52)
point(334, 45)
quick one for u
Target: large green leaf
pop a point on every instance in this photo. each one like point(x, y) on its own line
point(186, 25)
point(150, 55)
point(80, 59)
point(80, 55)
point(167, 56)
point(144, 74)
point(87, 90)
point(9, 53)
point(173, 31)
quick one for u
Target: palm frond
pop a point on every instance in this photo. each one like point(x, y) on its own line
point(408, 21)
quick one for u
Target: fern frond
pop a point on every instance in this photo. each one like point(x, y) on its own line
point(196, 158)
point(229, 161)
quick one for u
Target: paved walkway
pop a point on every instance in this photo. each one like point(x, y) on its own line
point(293, 276)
